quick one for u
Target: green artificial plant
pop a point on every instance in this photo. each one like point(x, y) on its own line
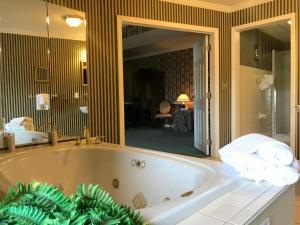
point(47, 205)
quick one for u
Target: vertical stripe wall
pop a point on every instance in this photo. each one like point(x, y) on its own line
point(102, 54)
point(21, 55)
point(102, 49)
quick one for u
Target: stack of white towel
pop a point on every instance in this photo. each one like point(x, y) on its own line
point(19, 124)
point(258, 157)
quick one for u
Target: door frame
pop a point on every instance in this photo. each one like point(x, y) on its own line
point(235, 72)
point(214, 41)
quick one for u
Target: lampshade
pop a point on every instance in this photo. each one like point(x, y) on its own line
point(73, 21)
point(183, 98)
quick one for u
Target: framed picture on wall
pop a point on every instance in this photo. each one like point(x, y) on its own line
point(41, 74)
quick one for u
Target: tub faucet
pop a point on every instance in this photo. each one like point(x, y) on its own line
point(99, 139)
point(52, 126)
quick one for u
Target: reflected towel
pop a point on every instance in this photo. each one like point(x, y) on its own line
point(20, 123)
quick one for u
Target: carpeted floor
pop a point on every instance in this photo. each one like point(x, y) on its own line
point(163, 139)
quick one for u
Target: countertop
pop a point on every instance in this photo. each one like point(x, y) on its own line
point(238, 207)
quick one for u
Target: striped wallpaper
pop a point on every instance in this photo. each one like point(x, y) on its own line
point(66, 79)
point(102, 49)
point(21, 54)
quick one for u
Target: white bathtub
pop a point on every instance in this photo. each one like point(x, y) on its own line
point(162, 181)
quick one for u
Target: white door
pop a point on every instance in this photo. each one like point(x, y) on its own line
point(202, 95)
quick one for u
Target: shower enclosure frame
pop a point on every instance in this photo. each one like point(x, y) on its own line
point(235, 81)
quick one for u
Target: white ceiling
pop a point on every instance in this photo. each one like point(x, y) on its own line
point(28, 17)
point(156, 42)
point(220, 5)
point(228, 2)
point(280, 31)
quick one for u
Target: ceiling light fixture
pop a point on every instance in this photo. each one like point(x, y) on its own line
point(73, 21)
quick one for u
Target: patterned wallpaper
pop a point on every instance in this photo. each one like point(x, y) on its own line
point(177, 67)
point(130, 30)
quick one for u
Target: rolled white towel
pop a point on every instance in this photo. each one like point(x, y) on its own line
point(249, 165)
point(276, 152)
point(253, 167)
point(281, 175)
point(12, 128)
point(20, 123)
point(250, 143)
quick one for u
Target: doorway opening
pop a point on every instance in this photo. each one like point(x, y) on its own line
point(263, 84)
point(162, 109)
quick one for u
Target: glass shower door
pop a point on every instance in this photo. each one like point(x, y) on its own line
point(281, 96)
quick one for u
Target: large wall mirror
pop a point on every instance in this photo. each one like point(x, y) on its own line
point(67, 41)
point(41, 74)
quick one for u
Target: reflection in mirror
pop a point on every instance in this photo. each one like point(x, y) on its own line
point(67, 32)
point(24, 39)
point(265, 81)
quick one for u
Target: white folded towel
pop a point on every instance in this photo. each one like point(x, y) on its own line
point(21, 120)
point(21, 123)
point(248, 165)
point(258, 158)
point(276, 152)
point(267, 148)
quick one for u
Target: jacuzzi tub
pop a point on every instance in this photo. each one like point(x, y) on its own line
point(172, 187)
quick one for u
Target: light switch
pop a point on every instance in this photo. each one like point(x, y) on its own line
point(76, 95)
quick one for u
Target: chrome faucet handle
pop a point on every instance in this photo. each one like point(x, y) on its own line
point(78, 141)
point(99, 139)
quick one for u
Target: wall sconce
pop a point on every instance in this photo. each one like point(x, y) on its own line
point(83, 56)
point(73, 21)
